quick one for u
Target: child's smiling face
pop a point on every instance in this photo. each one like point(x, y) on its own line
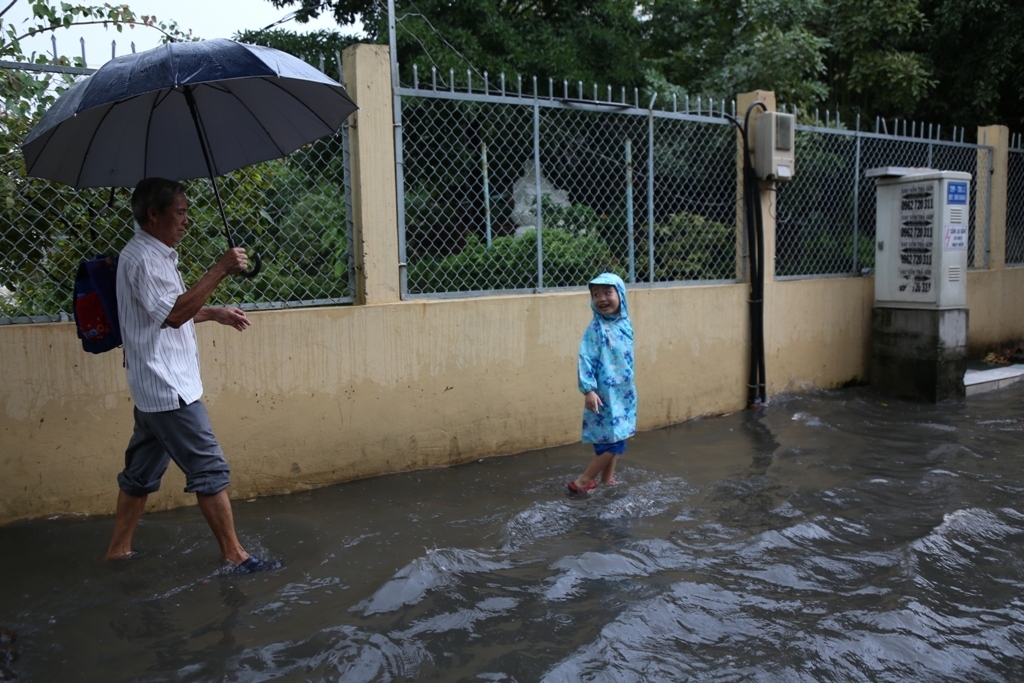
point(605, 298)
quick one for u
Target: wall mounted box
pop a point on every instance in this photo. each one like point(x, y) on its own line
point(921, 238)
point(774, 146)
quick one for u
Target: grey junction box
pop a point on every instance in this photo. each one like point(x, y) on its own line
point(919, 322)
point(921, 238)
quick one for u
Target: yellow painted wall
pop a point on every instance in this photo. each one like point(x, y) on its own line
point(309, 397)
point(817, 332)
point(996, 304)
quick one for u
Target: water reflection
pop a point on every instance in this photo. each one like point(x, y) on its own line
point(837, 537)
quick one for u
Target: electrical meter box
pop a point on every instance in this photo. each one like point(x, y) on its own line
point(921, 238)
point(774, 146)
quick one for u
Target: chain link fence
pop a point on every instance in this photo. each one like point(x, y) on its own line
point(825, 216)
point(1015, 208)
point(647, 194)
point(295, 212)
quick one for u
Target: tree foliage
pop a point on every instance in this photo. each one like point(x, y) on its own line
point(871, 65)
point(309, 46)
point(947, 61)
point(975, 49)
point(588, 40)
point(717, 48)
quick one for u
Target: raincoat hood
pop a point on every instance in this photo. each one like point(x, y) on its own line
point(620, 286)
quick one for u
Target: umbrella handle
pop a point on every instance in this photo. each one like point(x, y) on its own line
point(254, 269)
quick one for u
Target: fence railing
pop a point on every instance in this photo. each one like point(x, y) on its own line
point(294, 211)
point(648, 193)
point(645, 193)
point(825, 216)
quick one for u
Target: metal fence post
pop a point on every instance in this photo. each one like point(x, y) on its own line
point(538, 198)
point(487, 191)
point(650, 196)
point(856, 202)
point(396, 105)
point(346, 161)
point(400, 198)
point(629, 210)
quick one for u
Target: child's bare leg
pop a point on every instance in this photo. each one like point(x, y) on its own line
point(608, 473)
point(595, 468)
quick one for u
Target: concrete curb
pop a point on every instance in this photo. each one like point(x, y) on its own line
point(980, 381)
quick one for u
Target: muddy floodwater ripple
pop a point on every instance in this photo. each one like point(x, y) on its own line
point(837, 536)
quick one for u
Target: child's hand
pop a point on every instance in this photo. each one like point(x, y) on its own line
point(593, 402)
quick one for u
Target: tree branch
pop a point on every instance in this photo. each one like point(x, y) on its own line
point(37, 30)
point(6, 9)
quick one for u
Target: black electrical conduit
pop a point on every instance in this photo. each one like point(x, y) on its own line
point(753, 221)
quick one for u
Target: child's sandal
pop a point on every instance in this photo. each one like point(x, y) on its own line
point(574, 488)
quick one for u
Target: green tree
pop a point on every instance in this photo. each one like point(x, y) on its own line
point(858, 56)
point(511, 263)
point(309, 46)
point(869, 57)
point(975, 48)
point(872, 67)
point(722, 47)
point(589, 40)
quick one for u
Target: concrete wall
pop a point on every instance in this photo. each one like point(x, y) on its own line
point(305, 398)
point(310, 397)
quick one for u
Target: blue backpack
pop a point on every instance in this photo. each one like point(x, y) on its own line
point(96, 304)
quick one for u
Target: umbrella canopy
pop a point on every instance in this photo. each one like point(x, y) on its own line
point(132, 118)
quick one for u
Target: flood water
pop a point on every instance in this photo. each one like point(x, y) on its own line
point(834, 537)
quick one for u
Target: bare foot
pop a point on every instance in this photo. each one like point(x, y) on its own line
point(117, 557)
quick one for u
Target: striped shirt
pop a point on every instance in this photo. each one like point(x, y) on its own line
point(162, 362)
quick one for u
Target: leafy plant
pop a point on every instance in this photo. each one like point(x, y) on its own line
point(511, 263)
point(690, 247)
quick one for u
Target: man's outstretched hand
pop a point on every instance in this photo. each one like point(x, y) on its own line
point(233, 317)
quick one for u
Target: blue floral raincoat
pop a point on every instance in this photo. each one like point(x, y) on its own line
point(606, 366)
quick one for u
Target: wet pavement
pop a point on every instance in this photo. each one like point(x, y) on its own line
point(833, 537)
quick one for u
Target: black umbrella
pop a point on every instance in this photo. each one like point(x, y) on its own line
point(184, 110)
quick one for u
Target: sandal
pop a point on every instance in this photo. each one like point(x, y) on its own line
point(579, 490)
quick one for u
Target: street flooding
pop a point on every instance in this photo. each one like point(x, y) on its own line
point(838, 536)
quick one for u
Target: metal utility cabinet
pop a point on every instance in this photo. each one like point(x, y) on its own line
point(919, 322)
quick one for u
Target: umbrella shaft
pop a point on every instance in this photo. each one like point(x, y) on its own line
point(201, 133)
point(223, 216)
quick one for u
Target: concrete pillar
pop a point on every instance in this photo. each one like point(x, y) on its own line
point(743, 101)
point(919, 354)
point(374, 195)
point(997, 137)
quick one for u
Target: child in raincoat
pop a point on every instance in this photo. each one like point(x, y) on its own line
point(606, 381)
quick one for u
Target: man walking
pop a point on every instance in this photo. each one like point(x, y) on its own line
point(158, 315)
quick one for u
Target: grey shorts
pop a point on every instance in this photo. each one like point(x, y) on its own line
point(184, 436)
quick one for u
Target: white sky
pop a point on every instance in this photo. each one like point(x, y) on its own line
point(205, 18)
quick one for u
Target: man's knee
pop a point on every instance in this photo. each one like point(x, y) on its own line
point(208, 482)
point(135, 486)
